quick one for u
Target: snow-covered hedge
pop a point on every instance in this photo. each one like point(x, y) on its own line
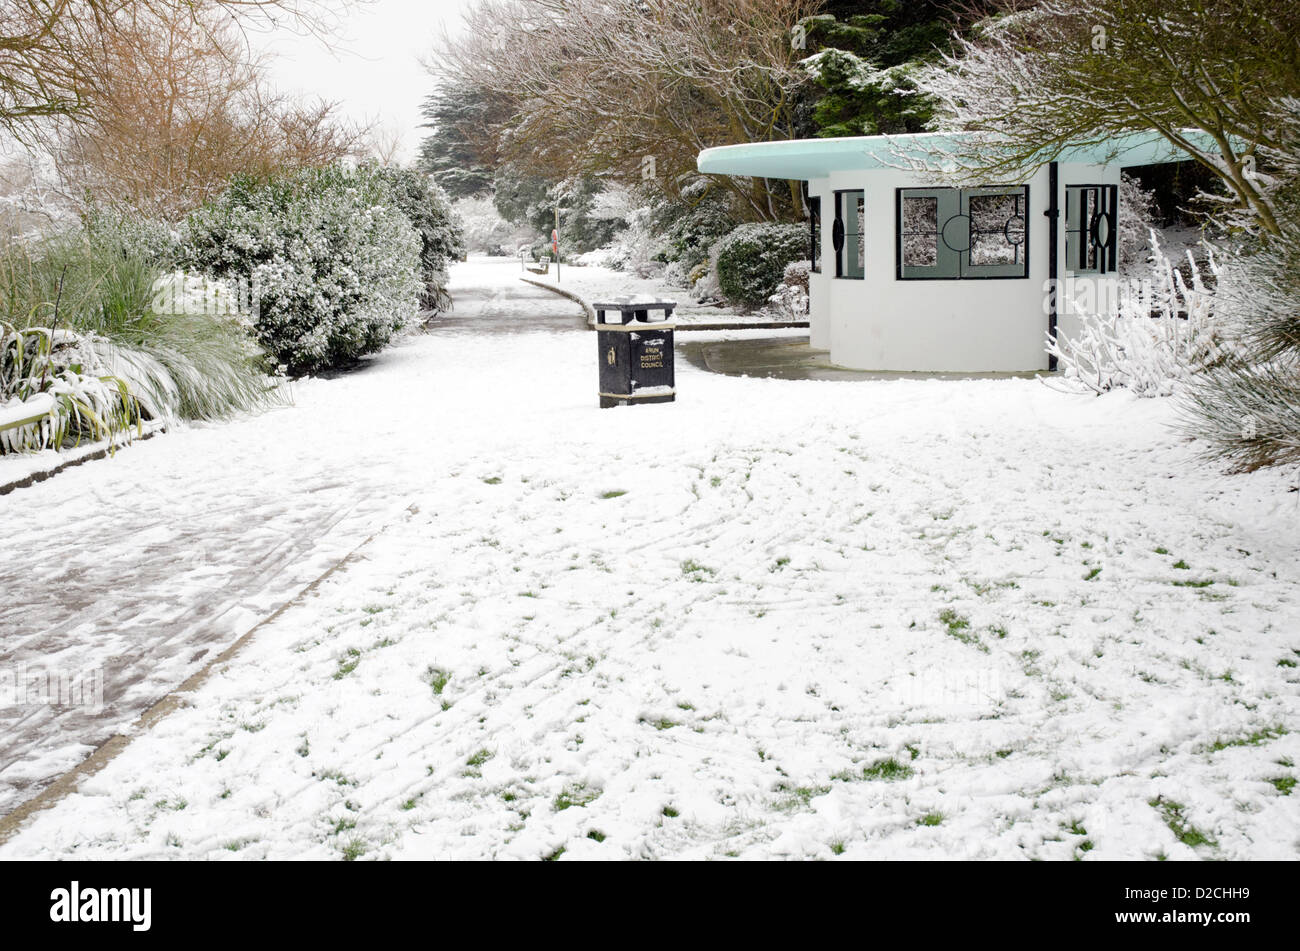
point(442, 236)
point(791, 299)
point(149, 240)
point(332, 261)
point(751, 260)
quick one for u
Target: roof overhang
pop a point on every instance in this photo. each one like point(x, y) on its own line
point(933, 152)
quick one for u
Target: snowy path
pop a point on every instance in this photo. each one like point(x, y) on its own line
point(796, 619)
point(145, 565)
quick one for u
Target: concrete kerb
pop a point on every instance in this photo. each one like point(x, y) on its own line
point(690, 325)
point(74, 459)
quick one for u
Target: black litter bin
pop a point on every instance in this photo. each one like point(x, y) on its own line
point(636, 353)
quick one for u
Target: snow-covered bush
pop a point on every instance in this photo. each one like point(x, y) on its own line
point(790, 301)
point(637, 247)
point(333, 262)
point(1161, 332)
point(677, 274)
point(613, 257)
point(691, 225)
point(50, 393)
point(484, 229)
point(751, 261)
point(151, 240)
point(705, 286)
point(442, 237)
point(1137, 218)
point(1247, 408)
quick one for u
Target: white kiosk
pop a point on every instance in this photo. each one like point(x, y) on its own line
point(914, 273)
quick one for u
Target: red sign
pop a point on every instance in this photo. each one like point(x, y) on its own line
point(555, 241)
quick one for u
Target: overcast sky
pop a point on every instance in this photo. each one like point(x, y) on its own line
point(374, 71)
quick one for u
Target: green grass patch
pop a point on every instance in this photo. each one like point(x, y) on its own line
point(695, 571)
point(959, 627)
point(1258, 738)
point(575, 794)
point(1184, 831)
point(887, 769)
point(348, 663)
point(437, 678)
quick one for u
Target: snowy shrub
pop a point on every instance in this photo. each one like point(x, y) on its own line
point(691, 225)
point(442, 238)
point(483, 227)
point(1160, 333)
point(1136, 219)
point(333, 263)
point(706, 288)
point(790, 302)
point(637, 246)
point(676, 274)
point(149, 239)
point(1247, 408)
point(50, 394)
point(752, 260)
point(613, 257)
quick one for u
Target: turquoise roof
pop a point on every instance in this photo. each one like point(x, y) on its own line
point(816, 158)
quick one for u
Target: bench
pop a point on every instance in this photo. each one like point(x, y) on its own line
point(541, 267)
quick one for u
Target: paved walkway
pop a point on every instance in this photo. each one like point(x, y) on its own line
point(140, 569)
point(790, 357)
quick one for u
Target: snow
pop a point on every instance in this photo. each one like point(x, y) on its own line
point(771, 619)
point(16, 411)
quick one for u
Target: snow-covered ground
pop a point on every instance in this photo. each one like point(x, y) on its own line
point(593, 283)
point(772, 619)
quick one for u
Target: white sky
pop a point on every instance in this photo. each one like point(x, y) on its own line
point(374, 70)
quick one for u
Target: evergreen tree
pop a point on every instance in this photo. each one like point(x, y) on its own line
point(863, 55)
point(458, 153)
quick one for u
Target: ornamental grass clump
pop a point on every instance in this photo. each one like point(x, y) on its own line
point(88, 319)
point(49, 398)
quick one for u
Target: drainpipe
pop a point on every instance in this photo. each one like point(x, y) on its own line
point(1053, 214)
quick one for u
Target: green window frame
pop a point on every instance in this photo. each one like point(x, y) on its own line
point(950, 234)
point(1091, 229)
point(846, 234)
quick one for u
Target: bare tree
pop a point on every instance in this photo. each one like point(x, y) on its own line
point(1049, 74)
point(177, 109)
point(635, 89)
point(48, 48)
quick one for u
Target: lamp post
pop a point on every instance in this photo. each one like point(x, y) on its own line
point(555, 242)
